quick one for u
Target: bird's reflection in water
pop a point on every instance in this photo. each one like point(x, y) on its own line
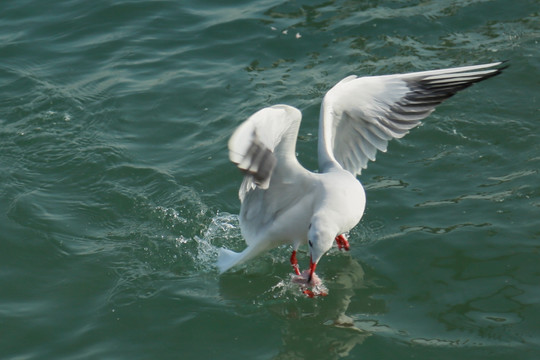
point(331, 332)
point(313, 328)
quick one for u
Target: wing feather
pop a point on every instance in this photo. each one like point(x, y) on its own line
point(360, 115)
point(266, 140)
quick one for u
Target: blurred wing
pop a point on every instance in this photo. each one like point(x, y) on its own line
point(360, 115)
point(266, 140)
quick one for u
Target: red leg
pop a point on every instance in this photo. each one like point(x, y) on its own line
point(342, 242)
point(294, 263)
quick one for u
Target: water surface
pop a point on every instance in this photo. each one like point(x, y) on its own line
point(116, 190)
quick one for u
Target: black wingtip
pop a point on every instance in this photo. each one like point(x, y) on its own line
point(502, 65)
point(505, 64)
point(427, 91)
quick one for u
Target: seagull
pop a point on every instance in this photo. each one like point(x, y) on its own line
point(284, 203)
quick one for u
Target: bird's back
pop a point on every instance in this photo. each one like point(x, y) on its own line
point(279, 214)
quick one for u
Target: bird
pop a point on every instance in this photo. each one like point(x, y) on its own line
point(283, 203)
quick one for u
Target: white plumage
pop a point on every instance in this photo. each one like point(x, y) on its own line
point(283, 203)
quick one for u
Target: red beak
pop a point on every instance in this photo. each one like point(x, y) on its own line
point(312, 267)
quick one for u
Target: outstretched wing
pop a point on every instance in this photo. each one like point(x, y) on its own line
point(360, 115)
point(266, 140)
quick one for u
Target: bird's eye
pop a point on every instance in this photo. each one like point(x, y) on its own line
point(310, 243)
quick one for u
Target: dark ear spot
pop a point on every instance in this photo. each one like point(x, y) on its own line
point(310, 243)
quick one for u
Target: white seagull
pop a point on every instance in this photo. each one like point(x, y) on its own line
point(283, 203)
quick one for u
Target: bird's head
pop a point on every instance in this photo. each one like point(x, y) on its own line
point(321, 236)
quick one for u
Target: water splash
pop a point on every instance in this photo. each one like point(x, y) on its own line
point(199, 252)
point(223, 228)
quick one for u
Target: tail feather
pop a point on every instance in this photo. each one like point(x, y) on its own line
point(227, 259)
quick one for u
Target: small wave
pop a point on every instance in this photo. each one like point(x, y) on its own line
point(495, 197)
point(419, 337)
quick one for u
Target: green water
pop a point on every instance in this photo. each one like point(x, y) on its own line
point(116, 190)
